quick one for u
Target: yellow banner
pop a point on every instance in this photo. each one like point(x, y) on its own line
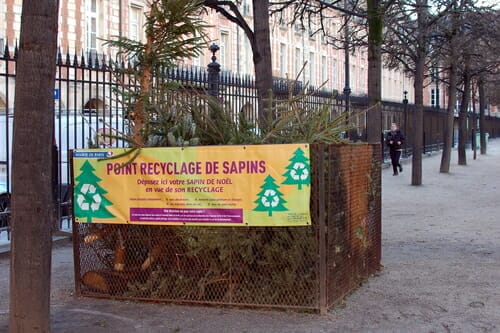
point(262, 185)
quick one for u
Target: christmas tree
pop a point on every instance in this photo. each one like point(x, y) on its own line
point(298, 171)
point(270, 199)
point(89, 199)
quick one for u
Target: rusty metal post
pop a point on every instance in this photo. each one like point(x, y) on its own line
point(76, 234)
point(323, 297)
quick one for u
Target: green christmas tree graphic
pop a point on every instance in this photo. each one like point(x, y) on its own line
point(298, 171)
point(270, 199)
point(89, 200)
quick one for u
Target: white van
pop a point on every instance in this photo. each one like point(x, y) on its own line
point(74, 129)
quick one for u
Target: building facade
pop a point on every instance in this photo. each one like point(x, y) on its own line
point(84, 25)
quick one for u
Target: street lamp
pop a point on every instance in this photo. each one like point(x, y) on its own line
point(435, 79)
point(347, 89)
point(213, 71)
point(405, 110)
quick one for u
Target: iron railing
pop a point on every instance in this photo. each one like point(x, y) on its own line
point(87, 101)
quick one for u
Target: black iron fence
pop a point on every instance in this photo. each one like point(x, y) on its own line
point(88, 103)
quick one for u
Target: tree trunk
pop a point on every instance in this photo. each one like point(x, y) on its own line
point(262, 62)
point(452, 94)
point(450, 119)
point(462, 129)
point(416, 172)
point(473, 124)
point(374, 116)
point(32, 204)
point(482, 107)
point(140, 117)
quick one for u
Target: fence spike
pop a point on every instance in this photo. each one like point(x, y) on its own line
point(75, 60)
point(197, 75)
point(68, 58)
point(16, 51)
point(59, 56)
point(110, 62)
point(89, 60)
point(82, 60)
point(6, 53)
point(103, 63)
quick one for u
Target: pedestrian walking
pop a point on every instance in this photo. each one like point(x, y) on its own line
point(395, 140)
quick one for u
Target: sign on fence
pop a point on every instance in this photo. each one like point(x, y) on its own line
point(262, 185)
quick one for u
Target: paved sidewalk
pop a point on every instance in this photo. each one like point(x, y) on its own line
point(441, 255)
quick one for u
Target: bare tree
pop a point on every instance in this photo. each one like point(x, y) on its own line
point(260, 42)
point(375, 14)
point(366, 25)
point(407, 42)
point(32, 203)
point(449, 34)
point(174, 31)
point(486, 63)
point(466, 40)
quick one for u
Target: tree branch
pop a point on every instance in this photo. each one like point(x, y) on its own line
point(237, 18)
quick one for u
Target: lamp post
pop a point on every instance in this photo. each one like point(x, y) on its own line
point(437, 90)
point(213, 72)
point(347, 89)
point(405, 110)
point(435, 79)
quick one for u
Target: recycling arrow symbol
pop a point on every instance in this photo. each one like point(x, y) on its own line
point(88, 199)
point(299, 171)
point(270, 199)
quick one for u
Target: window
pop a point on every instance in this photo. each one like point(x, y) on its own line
point(282, 23)
point(352, 77)
point(336, 74)
point(247, 61)
point(224, 52)
point(197, 61)
point(298, 28)
point(434, 74)
point(245, 8)
point(312, 33)
point(335, 29)
point(283, 64)
point(312, 68)
point(298, 61)
point(324, 39)
point(435, 97)
point(92, 26)
point(324, 69)
point(458, 106)
point(135, 23)
point(363, 79)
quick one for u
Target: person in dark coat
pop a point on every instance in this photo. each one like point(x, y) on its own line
point(395, 140)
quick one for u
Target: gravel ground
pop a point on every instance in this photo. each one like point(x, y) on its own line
point(441, 257)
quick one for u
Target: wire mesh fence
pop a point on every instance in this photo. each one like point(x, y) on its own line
point(258, 266)
point(307, 268)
